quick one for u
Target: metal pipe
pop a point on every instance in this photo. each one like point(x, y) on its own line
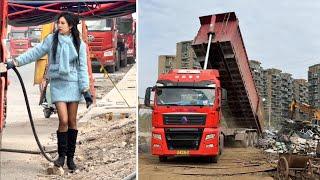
point(269, 116)
point(208, 50)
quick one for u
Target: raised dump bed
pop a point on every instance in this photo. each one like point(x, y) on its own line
point(228, 55)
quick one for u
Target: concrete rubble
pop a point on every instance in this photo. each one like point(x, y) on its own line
point(297, 137)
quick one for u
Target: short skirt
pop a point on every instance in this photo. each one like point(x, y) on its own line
point(64, 91)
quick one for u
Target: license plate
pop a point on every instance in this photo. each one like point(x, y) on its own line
point(182, 152)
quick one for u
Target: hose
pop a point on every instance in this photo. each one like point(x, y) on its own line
point(130, 176)
point(25, 151)
point(42, 151)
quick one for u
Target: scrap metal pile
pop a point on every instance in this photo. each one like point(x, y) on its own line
point(298, 137)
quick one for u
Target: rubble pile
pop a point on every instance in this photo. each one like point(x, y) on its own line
point(105, 150)
point(299, 137)
point(109, 151)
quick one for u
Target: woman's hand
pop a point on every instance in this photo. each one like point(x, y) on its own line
point(87, 96)
point(10, 64)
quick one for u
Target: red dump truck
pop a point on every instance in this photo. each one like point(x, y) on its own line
point(19, 41)
point(110, 40)
point(104, 51)
point(127, 29)
point(34, 34)
point(194, 111)
point(23, 38)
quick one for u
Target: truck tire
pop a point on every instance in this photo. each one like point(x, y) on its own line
point(250, 134)
point(117, 66)
point(111, 69)
point(118, 59)
point(221, 144)
point(131, 60)
point(163, 158)
point(255, 139)
point(245, 141)
point(95, 69)
point(124, 61)
point(214, 159)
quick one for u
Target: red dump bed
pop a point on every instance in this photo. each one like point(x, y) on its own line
point(228, 55)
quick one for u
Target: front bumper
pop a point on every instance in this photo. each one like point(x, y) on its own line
point(209, 147)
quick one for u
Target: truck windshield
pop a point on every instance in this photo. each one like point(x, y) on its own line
point(185, 96)
point(99, 25)
point(35, 34)
point(124, 26)
point(18, 35)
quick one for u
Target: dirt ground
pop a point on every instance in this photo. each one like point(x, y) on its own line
point(235, 163)
point(106, 146)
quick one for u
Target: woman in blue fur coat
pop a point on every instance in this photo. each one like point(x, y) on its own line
point(68, 76)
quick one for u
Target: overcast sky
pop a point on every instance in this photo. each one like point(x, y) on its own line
point(281, 34)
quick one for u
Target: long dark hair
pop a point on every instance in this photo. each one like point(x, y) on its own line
point(73, 21)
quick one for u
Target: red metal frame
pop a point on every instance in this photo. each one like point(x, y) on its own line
point(55, 8)
point(103, 7)
point(3, 79)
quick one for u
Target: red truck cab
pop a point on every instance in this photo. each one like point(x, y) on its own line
point(186, 114)
point(19, 41)
point(126, 26)
point(102, 37)
point(34, 34)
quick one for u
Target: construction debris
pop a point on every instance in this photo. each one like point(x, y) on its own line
point(298, 137)
point(53, 170)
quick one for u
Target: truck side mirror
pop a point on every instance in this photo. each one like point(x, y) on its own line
point(223, 97)
point(147, 97)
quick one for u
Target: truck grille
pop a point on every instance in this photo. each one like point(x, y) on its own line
point(183, 138)
point(99, 48)
point(184, 119)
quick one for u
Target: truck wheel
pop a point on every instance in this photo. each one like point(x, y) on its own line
point(163, 158)
point(118, 59)
point(95, 69)
point(213, 159)
point(250, 134)
point(245, 141)
point(111, 69)
point(117, 66)
point(255, 139)
point(221, 144)
point(124, 62)
point(131, 61)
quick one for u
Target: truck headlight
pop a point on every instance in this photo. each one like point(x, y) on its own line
point(129, 51)
point(108, 53)
point(156, 136)
point(34, 44)
point(210, 136)
point(156, 146)
point(209, 146)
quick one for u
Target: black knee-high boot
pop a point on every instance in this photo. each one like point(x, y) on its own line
point(62, 148)
point(72, 140)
